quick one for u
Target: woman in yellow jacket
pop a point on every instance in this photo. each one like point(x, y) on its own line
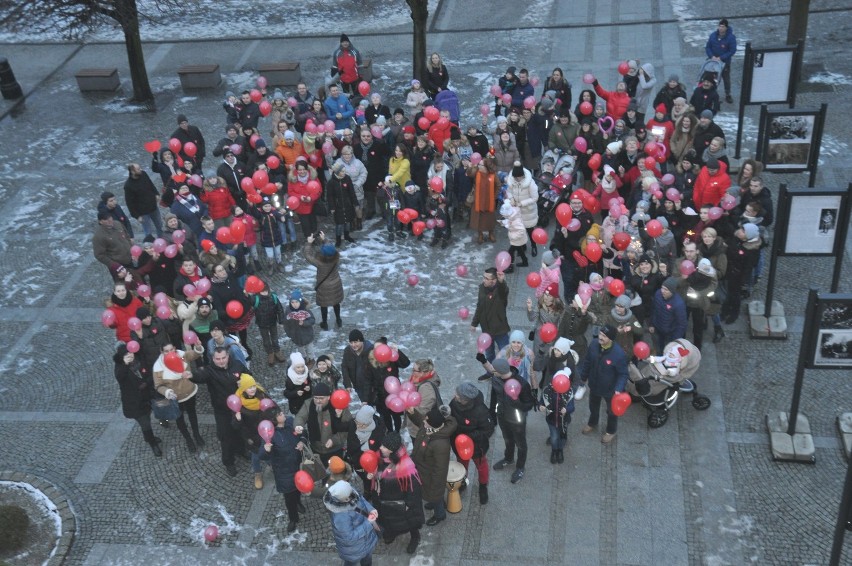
point(400, 167)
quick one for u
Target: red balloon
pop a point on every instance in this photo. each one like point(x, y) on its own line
point(247, 184)
point(539, 236)
point(592, 204)
point(654, 228)
point(310, 127)
point(424, 123)
point(369, 461)
point(412, 280)
point(238, 231)
point(464, 446)
point(595, 162)
point(548, 332)
point(620, 240)
point(174, 362)
point(650, 163)
point(586, 108)
point(561, 383)
point(190, 149)
point(581, 145)
point(564, 214)
point(253, 139)
point(254, 284)
point(152, 146)
point(533, 279)
point(382, 353)
point(436, 184)
point(594, 252)
point(304, 482)
point(270, 189)
point(273, 162)
point(616, 287)
point(364, 88)
point(265, 108)
point(641, 350)
point(255, 95)
point(293, 202)
point(340, 399)
point(620, 402)
point(223, 234)
point(314, 189)
point(260, 179)
point(418, 227)
point(651, 148)
point(175, 145)
point(432, 113)
point(211, 533)
point(402, 216)
point(234, 309)
point(254, 198)
point(623, 68)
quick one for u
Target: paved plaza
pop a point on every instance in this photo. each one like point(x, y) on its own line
point(702, 490)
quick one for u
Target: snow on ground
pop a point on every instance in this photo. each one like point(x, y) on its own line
point(828, 78)
point(49, 512)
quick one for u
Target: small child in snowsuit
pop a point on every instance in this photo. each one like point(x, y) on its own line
point(438, 212)
point(268, 312)
point(517, 234)
point(299, 325)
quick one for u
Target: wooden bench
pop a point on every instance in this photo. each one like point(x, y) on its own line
point(199, 76)
point(285, 73)
point(97, 79)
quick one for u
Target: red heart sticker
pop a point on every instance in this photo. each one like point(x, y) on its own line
point(683, 352)
point(644, 282)
point(467, 421)
point(424, 443)
point(372, 441)
point(324, 423)
point(609, 362)
point(153, 331)
point(669, 307)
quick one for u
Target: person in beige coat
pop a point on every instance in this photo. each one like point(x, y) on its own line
point(173, 385)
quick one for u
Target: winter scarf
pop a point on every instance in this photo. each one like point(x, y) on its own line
point(364, 434)
point(422, 378)
point(313, 417)
point(121, 302)
point(621, 319)
point(297, 378)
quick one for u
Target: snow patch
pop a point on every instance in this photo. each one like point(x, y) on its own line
point(827, 78)
point(48, 509)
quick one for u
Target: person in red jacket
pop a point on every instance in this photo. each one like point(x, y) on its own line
point(617, 101)
point(219, 201)
point(303, 184)
point(441, 130)
point(660, 128)
point(345, 61)
point(712, 183)
point(124, 305)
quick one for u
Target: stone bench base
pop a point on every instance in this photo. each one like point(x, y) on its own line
point(199, 76)
point(97, 79)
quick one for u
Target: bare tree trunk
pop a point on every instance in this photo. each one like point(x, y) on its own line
point(420, 17)
point(129, 21)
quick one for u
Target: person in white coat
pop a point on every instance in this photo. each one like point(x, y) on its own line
point(522, 193)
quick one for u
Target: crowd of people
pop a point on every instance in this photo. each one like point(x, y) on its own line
point(651, 229)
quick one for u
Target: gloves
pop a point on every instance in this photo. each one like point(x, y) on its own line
point(170, 394)
point(537, 406)
point(480, 357)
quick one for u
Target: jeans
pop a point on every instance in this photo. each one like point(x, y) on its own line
point(755, 273)
point(256, 462)
point(288, 230)
point(514, 434)
point(501, 341)
point(151, 222)
point(439, 511)
point(726, 78)
point(569, 285)
point(340, 229)
point(556, 440)
point(595, 411)
point(273, 253)
point(391, 221)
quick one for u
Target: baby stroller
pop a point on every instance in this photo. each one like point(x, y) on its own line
point(712, 68)
point(550, 189)
point(659, 381)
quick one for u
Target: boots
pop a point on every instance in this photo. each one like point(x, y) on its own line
point(560, 456)
point(338, 241)
point(154, 442)
point(534, 249)
point(270, 359)
point(481, 238)
point(718, 334)
point(483, 493)
point(553, 456)
point(492, 237)
point(190, 445)
point(348, 238)
point(198, 440)
point(279, 356)
point(258, 480)
point(414, 542)
point(324, 324)
point(523, 262)
point(339, 321)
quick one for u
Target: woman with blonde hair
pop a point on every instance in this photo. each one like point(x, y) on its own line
point(436, 77)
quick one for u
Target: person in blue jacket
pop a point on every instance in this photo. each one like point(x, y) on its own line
point(668, 314)
point(721, 46)
point(521, 89)
point(605, 370)
point(352, 524)
point(338, 108)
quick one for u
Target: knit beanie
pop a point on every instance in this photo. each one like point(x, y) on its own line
point(356, 335)
point(467, 390)
point(516, 336)
point(341, 491)
point(563, 344)
point(392, 441)
point(365, 415)
point(670, 284)
point(434, 417)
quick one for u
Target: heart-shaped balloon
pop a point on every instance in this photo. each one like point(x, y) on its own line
point(604, 120)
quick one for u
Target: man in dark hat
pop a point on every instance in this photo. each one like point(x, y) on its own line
point(345, 61)
point(188, 133)
point(511, 412)
point(605, 370)
point(355, 356)
point(328, 428)
point(721, 46)
point(705, 96)
point(668, 314)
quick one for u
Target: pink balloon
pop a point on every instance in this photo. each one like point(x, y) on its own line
point(580, 144)
point(266, 429)
point(414, 399)
point(461, 270)
point(133, 346)
point(668, 179)
point(161, 299)
point(403, 395)
point(134, 324)
point(574, 225)
point(394, 354)
point(234, 403)
point(196, 180)
point(484, 109)
point(261, 82)
point(328, 148)
point(502, 261)
point(211, 533)
point(392, 385)
point(464, 313)
point(512, 388)
point(673, 194)
point(164, 312)
point(475, 158)
point(431, 223)
point(588, 78)
point(534, 81)
point(329, 126)
point(395, 404)
point(728, 202)
point(135, 251)
point(320, 128)
point(236, 148)
point(529, 102)
point(178, 237)
point(266, 404)
point(143, 291)
point(412, 280)
point(190, 337)
point(715, 213)
point(408, 386)
point(687, 268)
point(171, 251)
point(377, 132)
point(495, 90)
point(108, 318)
point(483, 342)
point(202, 285)
point(160, 245)
point(584, 290)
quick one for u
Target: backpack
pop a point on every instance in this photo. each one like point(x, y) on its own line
point(235, 341)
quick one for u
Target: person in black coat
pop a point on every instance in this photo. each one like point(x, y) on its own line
point(248, 112)
point(366, 432)
point(568, 245)
point(353, 365)
point(376, 372)
point(188, 133)
point(605, 370)
point(474, 420)
point(284, 453)
point(142, 198)
point(511, 415)
point(222, 378)
point(340, 193)
point(109, 205)
point(399, 500)
point(233, 172)
point(375, 156)
point(137, 390)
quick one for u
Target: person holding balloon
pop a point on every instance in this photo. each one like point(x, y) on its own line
point(620, 317)
point(168, 376)
point(668, 314)
point(232, 304)
point(191, 142)
point(511, 400)
point(604, 369)
point(283, 450)
point(383, 363)
point(558, 402)
point(122, 305)
point(474, 427)
point(328, 426)
point(247, 405)
point(398, 486)
point(137, 390)
point(431, 455)
point(366, 431)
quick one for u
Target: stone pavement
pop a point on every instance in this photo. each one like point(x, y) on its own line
point(700, 490)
